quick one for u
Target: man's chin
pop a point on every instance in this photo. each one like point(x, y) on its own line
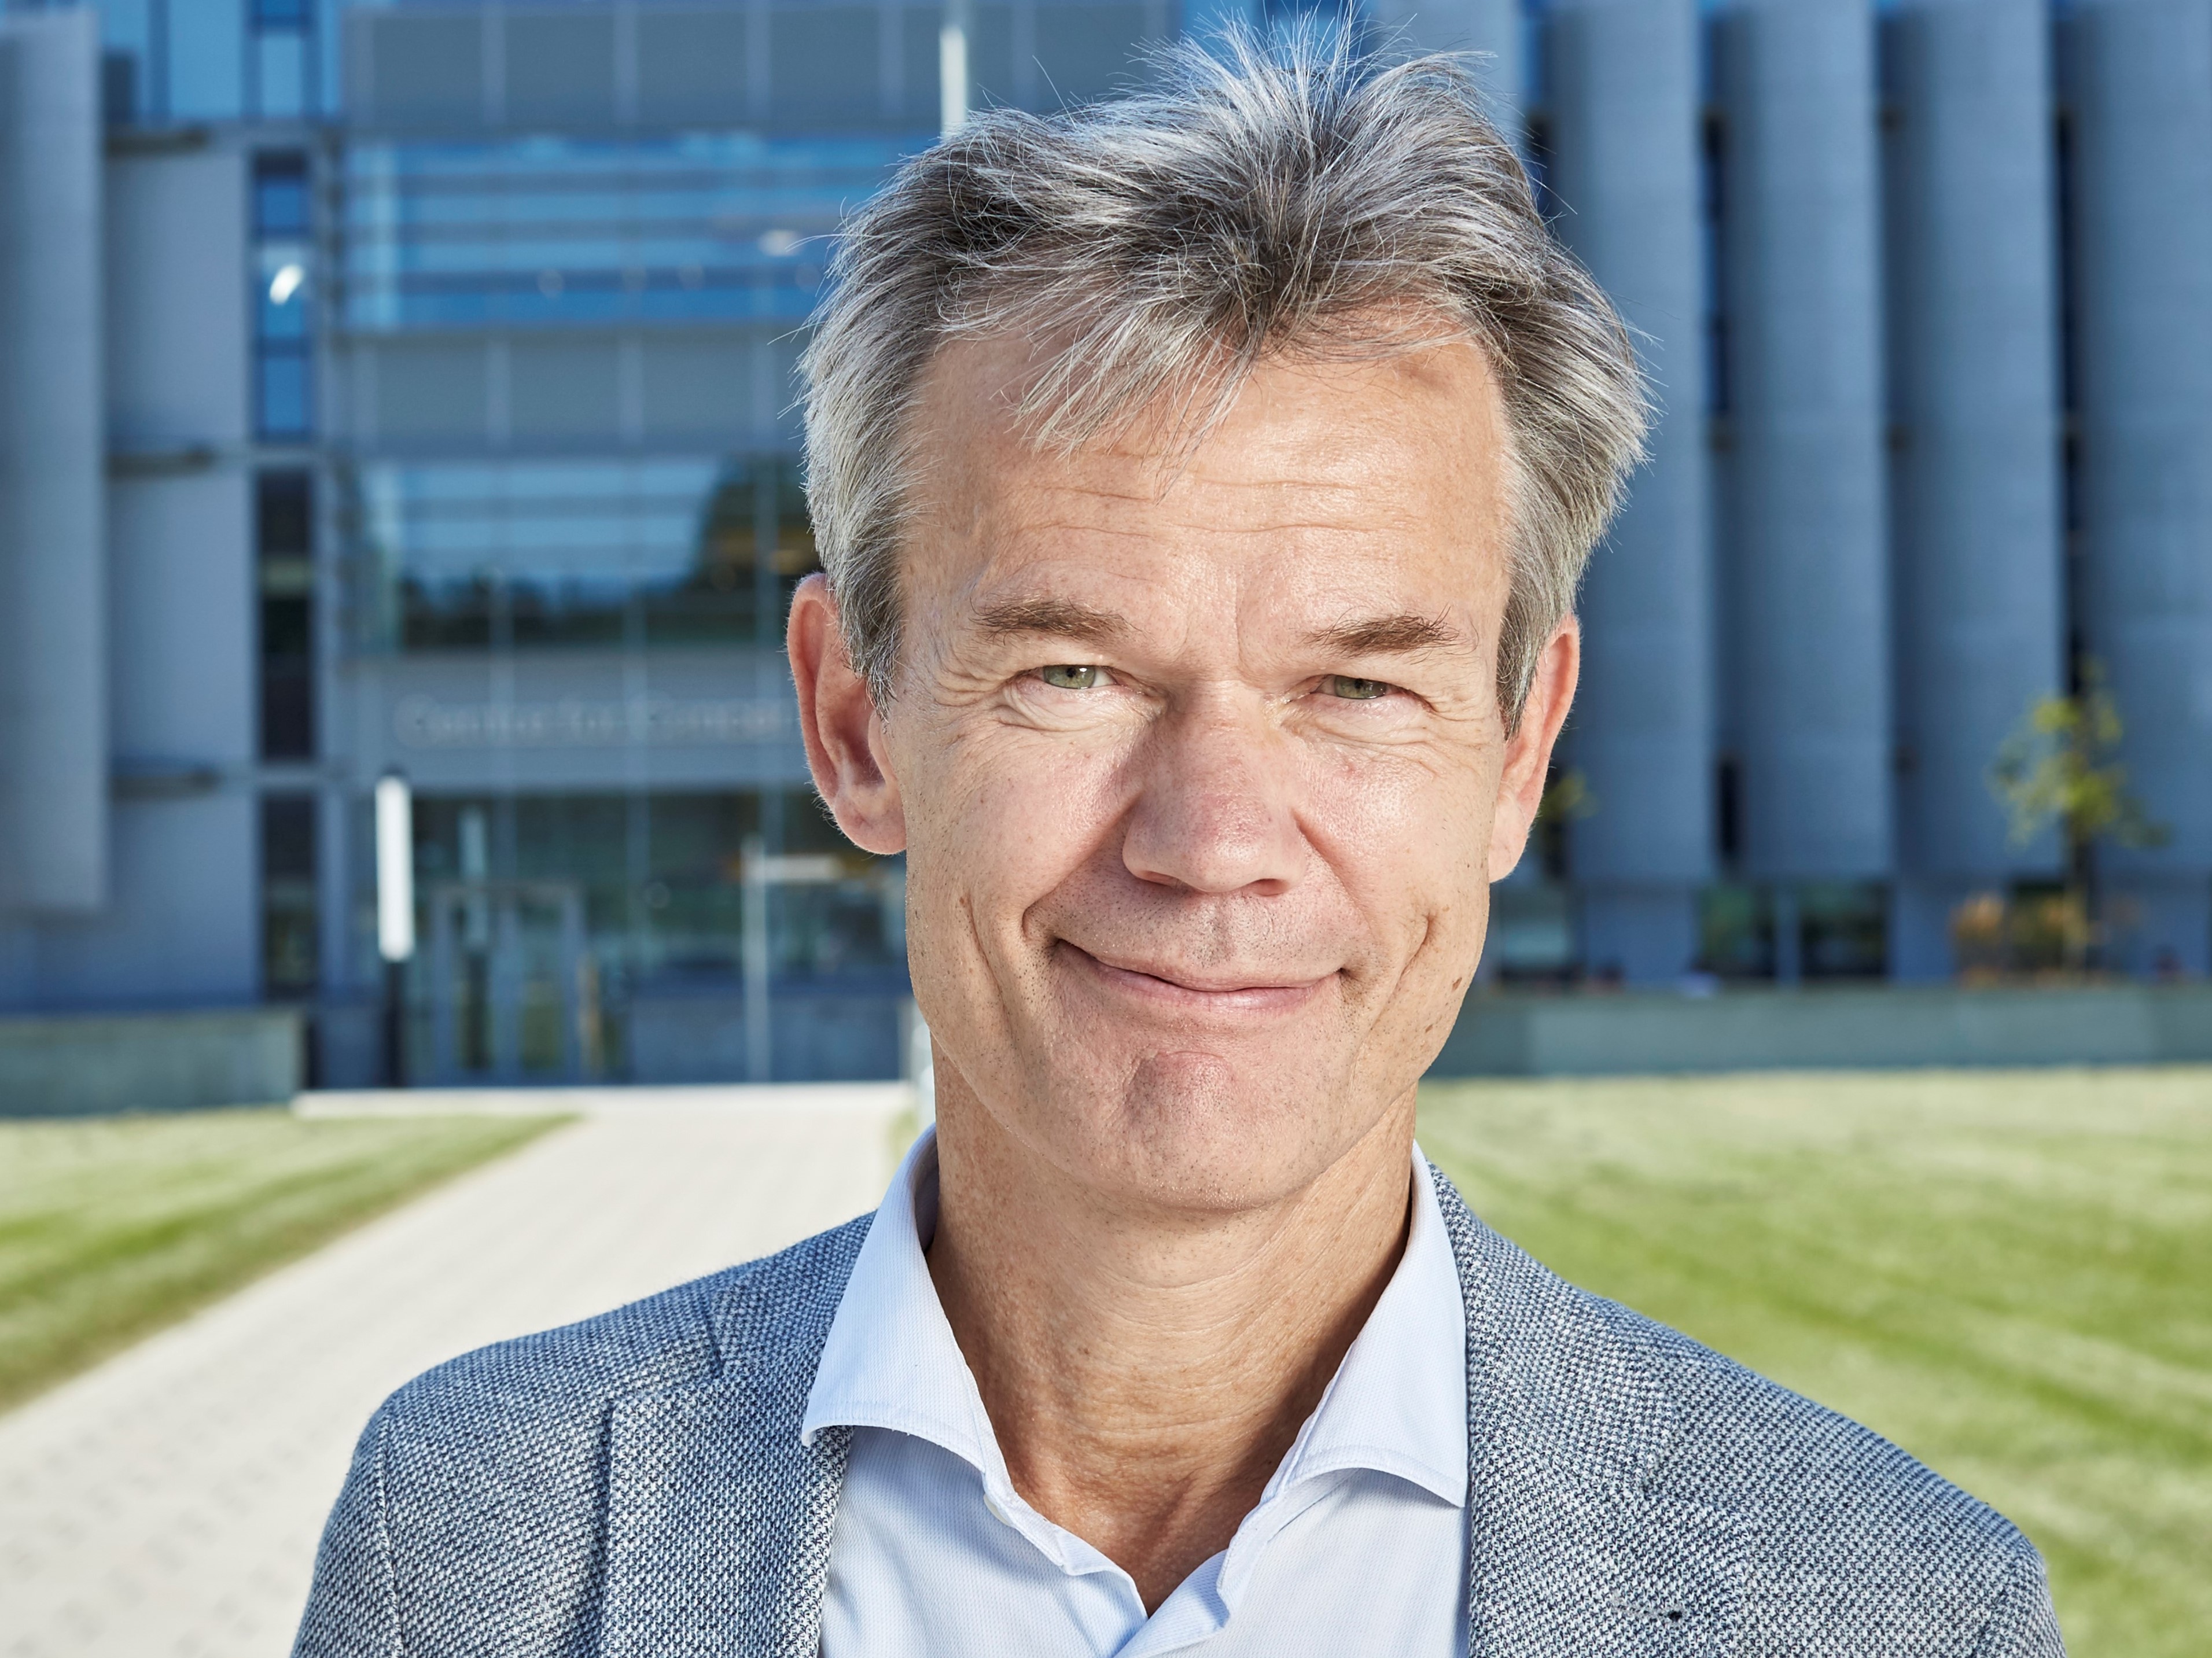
point(1211, 1131)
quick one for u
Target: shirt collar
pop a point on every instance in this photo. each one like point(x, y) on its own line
point(1397, 1403)
point(891, 1360)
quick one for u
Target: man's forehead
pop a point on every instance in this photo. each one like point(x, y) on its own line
point(1362, 498)
point(1381, 442)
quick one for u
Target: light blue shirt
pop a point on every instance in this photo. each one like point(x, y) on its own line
point(1359, 1543)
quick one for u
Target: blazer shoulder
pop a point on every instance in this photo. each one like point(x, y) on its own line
point(1846, 1538)
point(1845, 1519)
point(1751, 1441)
point(677, 1338)
point(472, 1518)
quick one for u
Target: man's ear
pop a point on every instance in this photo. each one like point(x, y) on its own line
point(1528, 750)
point(844, 734)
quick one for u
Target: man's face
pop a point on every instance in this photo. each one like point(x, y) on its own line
point(1199, 767)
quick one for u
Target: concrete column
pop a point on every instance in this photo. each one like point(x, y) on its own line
point(2142, 92)
point(1978, 544)
point(53, 587)
point(1808, 658)
point(1625, 123)
point(1493, 28)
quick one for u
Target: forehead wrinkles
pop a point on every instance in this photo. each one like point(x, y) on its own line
point(1309, 494)
point(1340, 457)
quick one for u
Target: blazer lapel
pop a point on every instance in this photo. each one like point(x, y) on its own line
point(719, 1521)
point(1573, 1552)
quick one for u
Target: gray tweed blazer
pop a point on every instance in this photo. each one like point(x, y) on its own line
point(633, 1487)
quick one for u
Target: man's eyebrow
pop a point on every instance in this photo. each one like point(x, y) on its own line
point(1061, 618)
point(1381, 635)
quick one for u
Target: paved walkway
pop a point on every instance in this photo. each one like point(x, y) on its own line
point(167, 1505)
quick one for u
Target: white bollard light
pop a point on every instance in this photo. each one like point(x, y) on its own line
point(395, 868)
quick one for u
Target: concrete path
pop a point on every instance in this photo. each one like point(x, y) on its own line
point(167, 1505)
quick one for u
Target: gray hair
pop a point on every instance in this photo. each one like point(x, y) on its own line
point(1263, 199)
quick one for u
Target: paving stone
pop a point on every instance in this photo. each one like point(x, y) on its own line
point(168, 1504)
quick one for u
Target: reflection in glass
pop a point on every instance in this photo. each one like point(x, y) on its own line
point(658, 892)
point(290, 963)
point(282, 392)
point(581, 552)
point(283, 294)
point(1736, 930)
point(281, 204)
point(704, 227)
point(281, 309)
point(1846, 929)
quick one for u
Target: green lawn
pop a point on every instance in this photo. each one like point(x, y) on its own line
point(111, 1227)
point(2008, 1274)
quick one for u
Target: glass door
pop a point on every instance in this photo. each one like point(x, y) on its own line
point(510, 983)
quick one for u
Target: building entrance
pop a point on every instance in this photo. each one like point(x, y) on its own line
point(512, 993)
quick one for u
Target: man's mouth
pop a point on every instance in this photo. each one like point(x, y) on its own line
point(1173, 987)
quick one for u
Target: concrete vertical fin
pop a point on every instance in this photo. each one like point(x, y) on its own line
point(1808, 650)
point(2141, 93)
point(1624, 103)
point(1975, 508)
point(53, 556)
point(1974, 383)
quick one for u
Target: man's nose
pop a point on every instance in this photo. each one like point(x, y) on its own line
point(1215, 814)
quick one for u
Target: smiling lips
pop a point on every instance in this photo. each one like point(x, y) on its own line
point(1186, 994)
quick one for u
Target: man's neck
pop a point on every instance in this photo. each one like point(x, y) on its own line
point(1144, 1374)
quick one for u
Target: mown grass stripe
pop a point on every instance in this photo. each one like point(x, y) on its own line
point(2008, 1274)
point(111, 1227)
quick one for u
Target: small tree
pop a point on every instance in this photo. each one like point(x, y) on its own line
point(2058, 767)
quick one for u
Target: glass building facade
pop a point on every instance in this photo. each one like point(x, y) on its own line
point(562, 439)
point(567, 257)
point(450, 429)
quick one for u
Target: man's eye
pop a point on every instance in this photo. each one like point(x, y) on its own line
point(1354, 690)
point(1068, 676)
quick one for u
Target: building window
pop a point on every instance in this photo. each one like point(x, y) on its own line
point(118, 88)
point(1736, 930)
point(280, 195)
point(284, 265)
point(280, 60)
point(1728, 811)
point(284, 513)
point(737, 229)
point(590, 551)
point(606, 933)
point(289, 964)
point(1845, 929)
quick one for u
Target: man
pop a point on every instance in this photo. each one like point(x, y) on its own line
point(1202, 482)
